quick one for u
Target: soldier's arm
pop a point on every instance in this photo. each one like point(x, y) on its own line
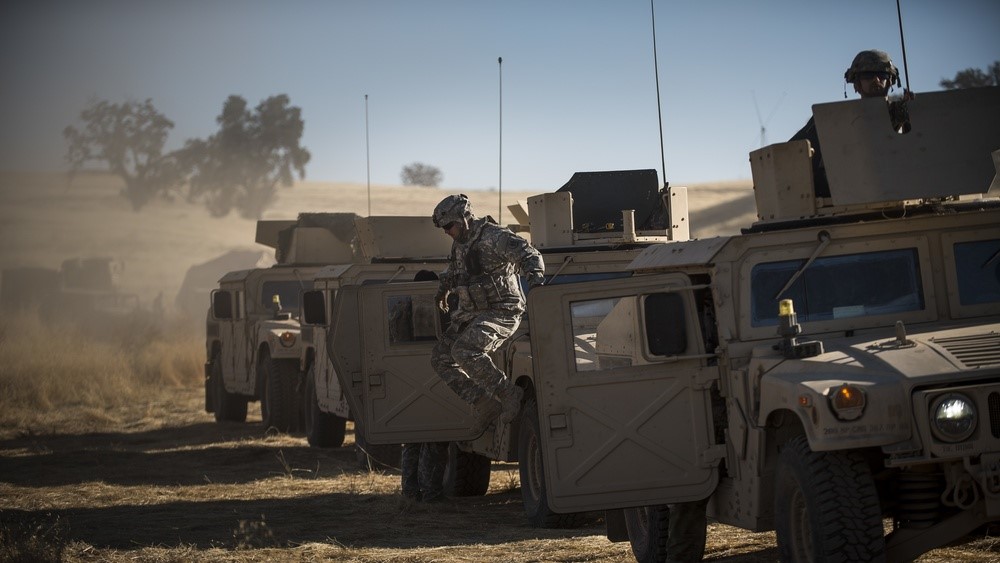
point(527, 258)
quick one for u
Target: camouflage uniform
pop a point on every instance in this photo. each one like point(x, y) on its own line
point(482, 272)
point(423, 468)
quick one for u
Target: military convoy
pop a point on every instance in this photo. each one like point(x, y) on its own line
point(831, 373)
point(685, 374)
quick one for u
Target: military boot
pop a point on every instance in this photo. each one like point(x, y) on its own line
point(511, 401)
point(486, 411)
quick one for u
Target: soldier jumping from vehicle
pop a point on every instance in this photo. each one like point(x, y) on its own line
point(482, 272)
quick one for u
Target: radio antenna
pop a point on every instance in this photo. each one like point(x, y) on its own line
point(902, 43)
point(659, 111)
point(368, 162)
point(500, 145)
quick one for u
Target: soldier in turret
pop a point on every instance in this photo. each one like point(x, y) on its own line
point(872, 74)
point(483, 272)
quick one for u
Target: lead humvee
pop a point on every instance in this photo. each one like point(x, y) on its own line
point(382, 336)
point(833, 370)
point(253, 338)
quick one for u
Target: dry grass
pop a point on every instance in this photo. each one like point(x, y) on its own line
point(60, 371)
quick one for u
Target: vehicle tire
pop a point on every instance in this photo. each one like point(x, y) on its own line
point(532, 473)
point(228, 407)
point(375, 457)
point(323, 429)
point(648, 530)
point(279, 404)
point(825, 506)
point(466, 474)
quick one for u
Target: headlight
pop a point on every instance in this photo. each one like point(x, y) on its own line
point(287, 339)
point(953, 417)
point(847, 402)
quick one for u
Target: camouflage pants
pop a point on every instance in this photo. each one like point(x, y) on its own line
point(423, 468)
point(461, 357)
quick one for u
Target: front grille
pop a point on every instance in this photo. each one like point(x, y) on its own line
point(975, 351)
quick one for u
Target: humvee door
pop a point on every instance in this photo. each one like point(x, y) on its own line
point(402, 398)
point(623, 393)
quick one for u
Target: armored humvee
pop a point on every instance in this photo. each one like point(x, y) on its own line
point(833, 370)
point(253, 338)
point(382, 336)
point(395, 249)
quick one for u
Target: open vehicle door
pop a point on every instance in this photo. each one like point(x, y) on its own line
point(623, 393)
point(402, 398)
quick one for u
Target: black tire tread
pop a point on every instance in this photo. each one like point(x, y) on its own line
point(845, 499)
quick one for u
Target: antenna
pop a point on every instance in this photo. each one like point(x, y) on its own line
point(659, 111)
point(902, 44)
point(763, 123)
point(368, 163)
point(500, 147)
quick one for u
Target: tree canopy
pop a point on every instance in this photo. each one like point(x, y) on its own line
point(974, 78)
point(240, 167)
point(419, 174)
point(128, 137)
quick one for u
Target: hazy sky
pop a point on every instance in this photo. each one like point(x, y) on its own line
point(578, 88)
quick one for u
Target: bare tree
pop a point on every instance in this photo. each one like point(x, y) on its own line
point(974, 78)
point(128, 138)
point(419, 174)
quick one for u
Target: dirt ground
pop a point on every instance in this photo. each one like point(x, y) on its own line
point(170, 484)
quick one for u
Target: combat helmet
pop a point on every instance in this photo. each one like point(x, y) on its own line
point(451, 209)
point(872, 60)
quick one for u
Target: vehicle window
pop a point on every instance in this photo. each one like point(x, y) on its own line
point(852, 285)
point(665, 326)
point(605, 331)
point(587, 317)
point(977, 264)
point(411, 318)
point(287, 290)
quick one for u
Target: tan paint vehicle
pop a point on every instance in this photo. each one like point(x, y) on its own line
point(395, 249)
point(382, 335)
point(253, 337)
point(834, 369)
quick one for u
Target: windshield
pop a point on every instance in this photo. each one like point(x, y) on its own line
point(978, 266)
point(288, 290)
point(851, 285)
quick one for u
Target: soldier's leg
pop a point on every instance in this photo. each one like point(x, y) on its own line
point(471, 350)
point(687, 530)
point(433, 458)
point(444, 364)
point(410, 463)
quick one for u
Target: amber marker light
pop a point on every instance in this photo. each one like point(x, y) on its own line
point(786, 308)
point(848, 402)
point(287, 339)
point(805, 401)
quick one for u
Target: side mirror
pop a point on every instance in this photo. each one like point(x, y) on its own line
point(313, 308)
point(222, 305)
